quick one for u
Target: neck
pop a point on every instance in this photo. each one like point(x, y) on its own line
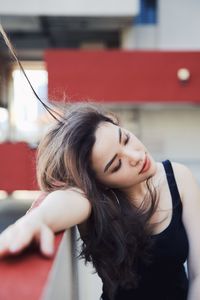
point(137, 193)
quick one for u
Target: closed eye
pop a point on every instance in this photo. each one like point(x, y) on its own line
point(117, 167)
point(120, 162)
point(127, 139)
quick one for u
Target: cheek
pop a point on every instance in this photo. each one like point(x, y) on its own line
point(137, 142)
point(124, 178)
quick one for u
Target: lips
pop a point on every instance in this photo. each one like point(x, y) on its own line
point(146, 165)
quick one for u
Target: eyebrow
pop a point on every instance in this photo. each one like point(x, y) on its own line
point(111, 161)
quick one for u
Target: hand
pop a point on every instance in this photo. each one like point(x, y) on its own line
point(30, 227)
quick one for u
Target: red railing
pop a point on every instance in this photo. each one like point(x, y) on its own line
point(32, 276)
point(25, 276)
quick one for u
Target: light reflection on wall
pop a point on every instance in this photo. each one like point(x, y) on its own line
point(26, 110)
point(3, 124)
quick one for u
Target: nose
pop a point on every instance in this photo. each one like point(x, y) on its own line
point(134, 156)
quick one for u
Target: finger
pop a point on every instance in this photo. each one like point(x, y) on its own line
point(46, 241)
point(3, 251)
point(5, 239)
point(26, 229)
point(22, 240)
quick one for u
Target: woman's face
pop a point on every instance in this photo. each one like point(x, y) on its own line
point(119, 159)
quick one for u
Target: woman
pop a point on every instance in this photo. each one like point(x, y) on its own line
point(138, 218)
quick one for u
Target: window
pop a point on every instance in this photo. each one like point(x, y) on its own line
point(148, 12)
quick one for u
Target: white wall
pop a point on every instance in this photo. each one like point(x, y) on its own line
point(179, 24)
point(71, 7)
point(140, 37)
point(89, 284)
point(177, 28)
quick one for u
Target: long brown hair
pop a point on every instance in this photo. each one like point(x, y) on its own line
point(116, 236)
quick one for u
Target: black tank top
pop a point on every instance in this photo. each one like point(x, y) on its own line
point(165, 278)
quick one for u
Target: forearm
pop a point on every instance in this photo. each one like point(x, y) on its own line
point(63, 209)
point(194, 289)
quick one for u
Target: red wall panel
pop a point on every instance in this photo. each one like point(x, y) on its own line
point(122, 76)
point(17, 167)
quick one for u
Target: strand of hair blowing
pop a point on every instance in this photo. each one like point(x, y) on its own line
point(116, 238)
point(8, 43)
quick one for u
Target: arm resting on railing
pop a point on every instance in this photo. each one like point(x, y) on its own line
point(59, 210)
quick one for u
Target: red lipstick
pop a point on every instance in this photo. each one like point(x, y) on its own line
point(146, 165)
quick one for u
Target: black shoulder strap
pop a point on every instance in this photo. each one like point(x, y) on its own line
point(171, 182)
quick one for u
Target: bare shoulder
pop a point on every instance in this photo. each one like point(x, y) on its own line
point(181, 170)
point(185, 178)
point(191, 214)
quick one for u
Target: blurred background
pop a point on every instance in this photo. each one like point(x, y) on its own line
point(140, 58)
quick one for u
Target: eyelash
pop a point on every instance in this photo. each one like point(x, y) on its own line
point(120, 162)
point(117, 167)
point(127, 138)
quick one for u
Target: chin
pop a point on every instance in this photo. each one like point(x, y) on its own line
point(153, 168)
